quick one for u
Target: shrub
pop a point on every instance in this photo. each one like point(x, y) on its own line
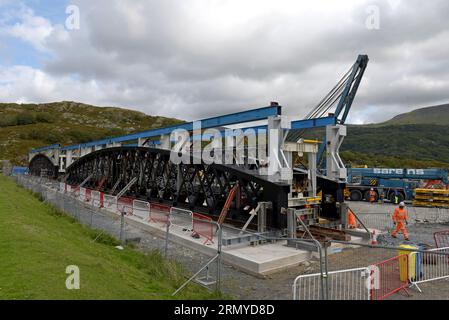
point(25, 118)
point(44, 117)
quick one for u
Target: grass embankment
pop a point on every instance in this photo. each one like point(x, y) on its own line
point(37, 243)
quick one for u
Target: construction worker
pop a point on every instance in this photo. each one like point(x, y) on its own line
point(372, 196)
point(351, 220)
point(400, 217)
point(396, 197)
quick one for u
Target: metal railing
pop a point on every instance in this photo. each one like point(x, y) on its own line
point(350, 284)
point(383, 220)
point(428, 266)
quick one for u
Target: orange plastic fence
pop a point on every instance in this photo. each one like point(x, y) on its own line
point(159, 213)
point(389, 276)
point(125, 205)
point(202, 226)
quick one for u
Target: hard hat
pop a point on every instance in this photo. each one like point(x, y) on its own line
point(372, 189)
point(402, 204)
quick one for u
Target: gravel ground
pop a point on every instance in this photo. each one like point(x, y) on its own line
point(240, 285)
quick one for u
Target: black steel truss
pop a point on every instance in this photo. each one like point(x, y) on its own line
point(198, 187)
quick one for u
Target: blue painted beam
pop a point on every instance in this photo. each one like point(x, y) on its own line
point(314, 123)
point(42, 149)
point(235, 118)
point(296, 125)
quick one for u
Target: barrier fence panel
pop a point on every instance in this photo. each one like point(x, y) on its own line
point(379, 221)
point(428, 266)
point(75, 191)
point(383, 220)
point(125, 205)
point(308, 287)
point(352, 284)
point(141, 209)
point(181, 218)
point(61, 187)
point(443, 215)
point(97, 199)
point(441, 239)
point(389, 277)
point(82, 196)
point(202, 226)
point(50, 195)
point(159, 213)
point(110, 203)
point(88, 196)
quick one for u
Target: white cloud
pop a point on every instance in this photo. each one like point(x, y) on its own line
point(30, 28)
point(196, 59)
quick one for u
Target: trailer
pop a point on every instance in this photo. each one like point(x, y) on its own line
point(395, 185)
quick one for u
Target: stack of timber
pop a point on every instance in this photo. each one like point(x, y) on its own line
point(431, 198)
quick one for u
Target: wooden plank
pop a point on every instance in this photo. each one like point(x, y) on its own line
point(330, 233)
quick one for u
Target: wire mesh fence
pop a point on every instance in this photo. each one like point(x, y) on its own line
point(383, 221)
point(345, 263)
point(116, 217)
point(350, 284)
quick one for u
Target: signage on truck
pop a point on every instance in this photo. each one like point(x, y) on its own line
point(399, 171)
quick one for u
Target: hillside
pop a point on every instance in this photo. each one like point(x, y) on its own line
point(437, 115)
point(413, 146)
point(25, 126)
point(415, 139)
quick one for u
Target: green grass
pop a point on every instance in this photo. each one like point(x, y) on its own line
point(37, 243)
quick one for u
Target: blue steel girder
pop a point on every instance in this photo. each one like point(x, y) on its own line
point(230, 119)
point(46, 148)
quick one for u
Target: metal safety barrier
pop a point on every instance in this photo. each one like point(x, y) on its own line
point(202, 226)
point(82, 194)
point(350, 284)
point(159, 213)
point(428, 266)
point(205, 267)
point(110, 202)
point(181, 218)
point(75, 191)
point(97, 199)
point(441, 239)
point(383, 220)
point(141, 209)
point(389, 277)
point(125, 205)
point(379, 221)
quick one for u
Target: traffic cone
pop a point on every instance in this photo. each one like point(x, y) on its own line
point(374, 239)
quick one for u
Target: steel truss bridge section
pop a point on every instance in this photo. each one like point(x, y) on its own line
point(198, 187)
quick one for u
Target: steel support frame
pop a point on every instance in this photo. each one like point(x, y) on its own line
point(197, 187)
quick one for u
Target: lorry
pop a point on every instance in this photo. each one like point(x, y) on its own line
point(395, 185)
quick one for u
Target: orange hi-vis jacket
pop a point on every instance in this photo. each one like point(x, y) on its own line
point(400, 215)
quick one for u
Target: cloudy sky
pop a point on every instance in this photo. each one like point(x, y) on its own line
point(196, 58)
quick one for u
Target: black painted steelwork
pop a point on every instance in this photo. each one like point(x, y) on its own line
point(198, 187)
point(42, 165)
